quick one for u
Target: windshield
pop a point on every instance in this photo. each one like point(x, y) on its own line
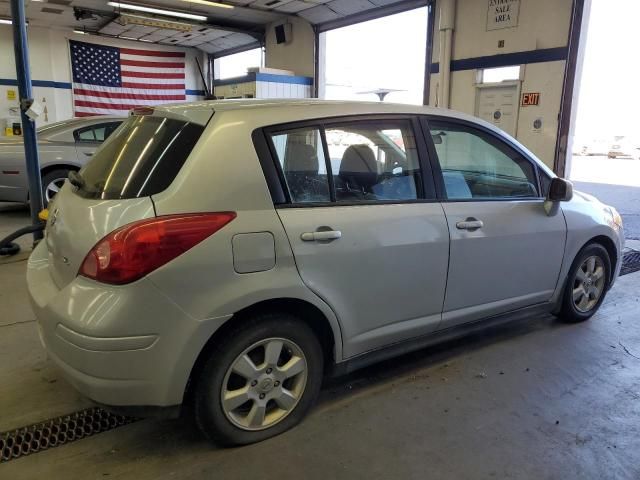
point(139, 159)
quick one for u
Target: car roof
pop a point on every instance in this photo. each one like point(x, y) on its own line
point(284, 110)
point(277, 103)
point(290, 110)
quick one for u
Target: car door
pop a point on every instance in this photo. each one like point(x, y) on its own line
point(366, 233)
point(506, 252)
point(88, 139)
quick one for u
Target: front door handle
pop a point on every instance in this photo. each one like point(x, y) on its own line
point(470, 224)
point(321, 236)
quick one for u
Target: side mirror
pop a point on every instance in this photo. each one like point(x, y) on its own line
point(560, 190)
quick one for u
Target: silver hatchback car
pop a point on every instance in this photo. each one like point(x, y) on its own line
point(62, 146)
point(229, 254)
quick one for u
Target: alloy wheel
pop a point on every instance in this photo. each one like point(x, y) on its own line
point(588, 284)
point(53, 188)
point(264, 384)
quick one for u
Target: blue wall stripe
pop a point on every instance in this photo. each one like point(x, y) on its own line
point(267, 77)
point(264, 77)
point(67, 86)
point(37, 83)
point(506, 59)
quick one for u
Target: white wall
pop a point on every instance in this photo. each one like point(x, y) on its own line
point(542, 24)
point(49, 60)
point(298, 54)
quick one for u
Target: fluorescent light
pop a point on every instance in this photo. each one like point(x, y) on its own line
point(209, 4)
point(170, 13)
point(80, 32)
point(8, 21)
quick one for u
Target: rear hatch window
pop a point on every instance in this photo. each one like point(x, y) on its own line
point(139, 159)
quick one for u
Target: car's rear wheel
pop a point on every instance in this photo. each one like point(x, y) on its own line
point(587, 283)
point(258, 382)
point(52, 182)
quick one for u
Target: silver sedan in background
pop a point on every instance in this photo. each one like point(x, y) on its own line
point(63, 146)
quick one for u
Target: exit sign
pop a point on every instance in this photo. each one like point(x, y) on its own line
point(529, 99)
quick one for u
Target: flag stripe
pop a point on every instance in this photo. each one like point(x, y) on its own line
point(114, 106)
point(140, 58)
point(166, 86)
point(150, 90)
point(152, 75)
point(137, 63)
point(129, 96)
point(151, 53)
point(128, 69)
point(87, 114)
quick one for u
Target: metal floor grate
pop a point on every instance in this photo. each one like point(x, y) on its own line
point(630, 262)
point(57, 431)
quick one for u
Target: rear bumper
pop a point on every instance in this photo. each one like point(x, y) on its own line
point(118, 345)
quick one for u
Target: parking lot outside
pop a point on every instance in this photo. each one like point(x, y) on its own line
point(614, 181)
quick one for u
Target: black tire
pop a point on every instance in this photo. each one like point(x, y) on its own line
point(569, 312)
point(50, 177)
point(208, 410)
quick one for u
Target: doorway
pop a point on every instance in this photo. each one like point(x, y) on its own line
point(376, 60)
point(606, 143)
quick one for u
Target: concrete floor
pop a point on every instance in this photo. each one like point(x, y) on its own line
point(535, 399)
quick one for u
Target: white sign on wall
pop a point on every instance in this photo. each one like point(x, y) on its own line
point(502, 14)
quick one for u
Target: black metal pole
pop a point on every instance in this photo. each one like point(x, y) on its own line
point(23, 75)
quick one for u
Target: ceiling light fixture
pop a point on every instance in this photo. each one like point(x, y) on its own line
point(131, 19)
point(159, 11)
point(80, 32)
point(209, 4)
point(8, 21)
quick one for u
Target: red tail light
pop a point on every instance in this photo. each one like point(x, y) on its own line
point(135, 250)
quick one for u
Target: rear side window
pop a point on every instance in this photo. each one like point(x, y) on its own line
point(140, 159)
point(365, 161)
point(302, 161)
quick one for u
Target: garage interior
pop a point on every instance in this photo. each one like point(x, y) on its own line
point(530, 398)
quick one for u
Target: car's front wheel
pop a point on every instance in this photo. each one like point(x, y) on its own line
point(52, 182)
point(587, 283)
point(259, 381)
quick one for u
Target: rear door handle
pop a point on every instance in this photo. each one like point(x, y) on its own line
point(470, 224)
point(89, 154)
point(321, 236)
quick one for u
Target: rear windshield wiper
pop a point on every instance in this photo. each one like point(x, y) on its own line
point(76, 180)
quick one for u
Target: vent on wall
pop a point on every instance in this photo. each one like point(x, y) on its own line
point(52, 10)
point(60, 2)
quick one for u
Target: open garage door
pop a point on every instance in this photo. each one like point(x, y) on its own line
point(606, 144)
point(381, 59)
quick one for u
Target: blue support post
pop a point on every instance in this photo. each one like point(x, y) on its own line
point(23, 75)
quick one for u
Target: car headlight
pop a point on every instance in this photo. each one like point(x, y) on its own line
point(614, 220)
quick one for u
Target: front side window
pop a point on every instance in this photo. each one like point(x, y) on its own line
point(476, 165)
point(367, 161)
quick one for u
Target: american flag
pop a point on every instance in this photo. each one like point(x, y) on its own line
point(110, 80)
